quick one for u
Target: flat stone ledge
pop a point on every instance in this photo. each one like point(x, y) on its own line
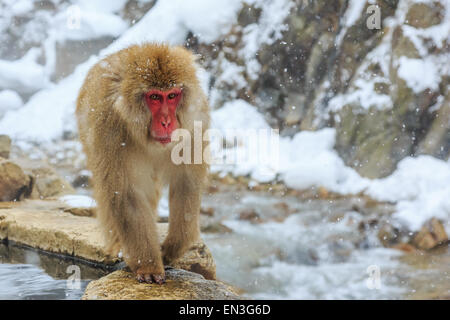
point(44, 225)
point(180, 285)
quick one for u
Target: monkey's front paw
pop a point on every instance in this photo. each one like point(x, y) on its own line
point(143, 275)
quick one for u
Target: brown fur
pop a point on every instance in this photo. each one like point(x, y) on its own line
point(129, 169)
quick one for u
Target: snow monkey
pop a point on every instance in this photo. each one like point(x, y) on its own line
point(127, 110)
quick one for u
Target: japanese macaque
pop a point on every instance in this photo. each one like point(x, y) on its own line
point(127, 110)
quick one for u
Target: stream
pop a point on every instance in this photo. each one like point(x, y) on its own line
point(317, 251)
point(270, 246)
point(28, 274)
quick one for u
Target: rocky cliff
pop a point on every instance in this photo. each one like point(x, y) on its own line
point(384, 88)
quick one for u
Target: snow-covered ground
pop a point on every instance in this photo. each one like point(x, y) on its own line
point(420, 186)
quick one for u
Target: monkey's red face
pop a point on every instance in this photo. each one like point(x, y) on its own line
point(163, 106)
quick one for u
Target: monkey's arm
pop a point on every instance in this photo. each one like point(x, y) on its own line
point(184, 197)
point(127, 216)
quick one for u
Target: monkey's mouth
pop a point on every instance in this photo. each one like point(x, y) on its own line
point(161, 137)
point(163, 140)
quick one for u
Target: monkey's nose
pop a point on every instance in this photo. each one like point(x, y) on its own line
point(165, 122)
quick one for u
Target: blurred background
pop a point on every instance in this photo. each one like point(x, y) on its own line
point(359, 93)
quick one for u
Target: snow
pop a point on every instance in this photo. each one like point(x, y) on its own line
point(362, 95)
point(251, 143)
point(269, 27)
point(421, 188)
point(82, 201)
point(425, 72)
point(362, 89)
point(21, 7)
point(268, 30)
point(9, 100)
point(163, 205)
point(309, 159)
point(352, 14)
point(238, 114)
point(78, 201)
point(49, 113)
point(23, 75)
point(206, 19)
point(87, 25)
point(108, 6)
point(419, 74)
point(231, 74)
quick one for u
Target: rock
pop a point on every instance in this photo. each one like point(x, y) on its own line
point(405, 247)
point(14, 183)
point(207, 211)
point(228, 179)
point(82, 212)
point(50, 184)
point(388, 235)
point(43, 224)
point(284, 207)
point(213, 188)
point(180, 285)
point(431, 235)
point(323, 193)
point(46, 182)
point(83, 179)
point(437, 140)
point(293, 110)
point(249, 14)
point(5, 146)
point(135, 9)
point(424, 15)
point(216, 228)
point(198, 259)
point(250, 215)
point(422, 285)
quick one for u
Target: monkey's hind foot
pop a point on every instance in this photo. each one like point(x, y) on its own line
point(151, 278)
point(143, 276)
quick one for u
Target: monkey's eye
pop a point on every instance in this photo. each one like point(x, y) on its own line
point(154, 97)
point(172, 95)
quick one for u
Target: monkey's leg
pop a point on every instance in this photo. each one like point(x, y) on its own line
point(184, 203)
point(138, 235)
